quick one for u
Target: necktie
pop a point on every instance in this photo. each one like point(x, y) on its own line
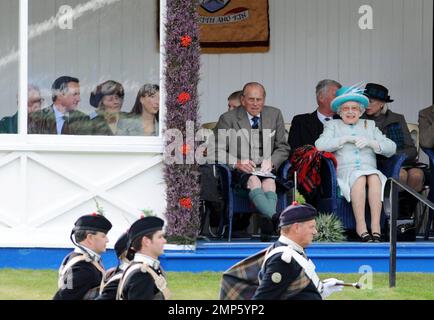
point(65, 128)
point(255, 124)
point(327, 119)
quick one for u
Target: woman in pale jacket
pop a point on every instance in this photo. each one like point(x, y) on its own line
point(355, 144)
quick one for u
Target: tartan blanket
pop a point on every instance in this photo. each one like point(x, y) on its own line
point(306, 161)
point(240, 281)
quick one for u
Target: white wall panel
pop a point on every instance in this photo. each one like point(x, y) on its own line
point(43, 193)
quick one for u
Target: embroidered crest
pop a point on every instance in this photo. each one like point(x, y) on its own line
point(214, 5)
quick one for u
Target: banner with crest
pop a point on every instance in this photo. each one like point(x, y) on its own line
point(234, 26)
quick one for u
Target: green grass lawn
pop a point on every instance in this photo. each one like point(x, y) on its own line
point(41, 285)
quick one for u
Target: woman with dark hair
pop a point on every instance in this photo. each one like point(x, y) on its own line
point(107, 119)
point(146, 110)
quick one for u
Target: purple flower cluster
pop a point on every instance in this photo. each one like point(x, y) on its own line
point(182, 75)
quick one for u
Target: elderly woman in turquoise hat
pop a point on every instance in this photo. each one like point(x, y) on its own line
point(355, 143)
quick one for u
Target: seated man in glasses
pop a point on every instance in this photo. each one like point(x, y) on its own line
point(9, 125)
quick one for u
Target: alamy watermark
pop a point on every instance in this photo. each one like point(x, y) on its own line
point(225, 146)
point(366, 281)
point(366, 21)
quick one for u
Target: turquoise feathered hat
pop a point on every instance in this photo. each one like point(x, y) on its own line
point(353, 93)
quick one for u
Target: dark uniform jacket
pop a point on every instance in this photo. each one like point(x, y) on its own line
point(139, 284)
point(44, 122)
point(280, 280)
point(111, 283)
point(81, 282)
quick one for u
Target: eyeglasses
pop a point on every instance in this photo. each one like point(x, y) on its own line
point(350, 108)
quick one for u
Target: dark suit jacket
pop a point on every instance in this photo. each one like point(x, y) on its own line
point(305, 129)
point(44, 122)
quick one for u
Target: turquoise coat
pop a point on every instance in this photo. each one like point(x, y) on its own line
point(353, 162)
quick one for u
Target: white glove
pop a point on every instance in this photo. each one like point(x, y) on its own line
point(362, 142)
point(347, 139)
point(330, 286)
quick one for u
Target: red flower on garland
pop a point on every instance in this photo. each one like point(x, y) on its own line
point(184, 97)
point(186, 203)
point(186, 41)
point(185, 149)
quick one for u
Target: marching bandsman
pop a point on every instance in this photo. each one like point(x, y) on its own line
point(286, 273)
point(110, 282)
point(81, 272)
point(144, 279)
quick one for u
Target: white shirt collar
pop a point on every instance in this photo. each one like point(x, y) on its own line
point(322, 117)
point(251, 117)
point(138, 257)
point(57, 113)
point(92, 254)
point(291, 243)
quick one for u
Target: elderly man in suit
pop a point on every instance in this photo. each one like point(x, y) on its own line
point(306, 128)
point(62, 117)
point(252, 139)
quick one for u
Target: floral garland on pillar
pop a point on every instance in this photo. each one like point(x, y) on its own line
point(182, 103)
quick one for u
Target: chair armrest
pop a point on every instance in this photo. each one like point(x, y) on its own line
point(392, 166)
point(328, 179)
point(327, 198)
point(430, 154)
point(226, 175)
point(283, 171)
point(283, 176)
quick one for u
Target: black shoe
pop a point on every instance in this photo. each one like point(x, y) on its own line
point(376, 237)
point(275, 219)
point(365, 237)
point(267, 229)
